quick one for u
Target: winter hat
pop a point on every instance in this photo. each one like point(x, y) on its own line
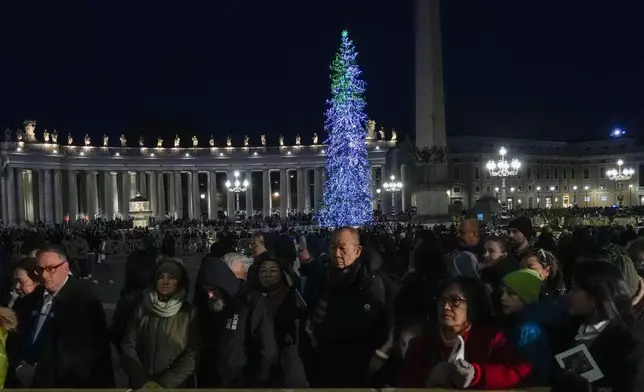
point(615, 255)
point(172, 267)
point(525, 283)
point(524, 225)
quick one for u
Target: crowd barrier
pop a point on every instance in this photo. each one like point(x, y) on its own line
point(540, 389)
point(182, 246)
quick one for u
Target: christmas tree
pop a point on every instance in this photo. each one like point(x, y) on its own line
point(347, 191)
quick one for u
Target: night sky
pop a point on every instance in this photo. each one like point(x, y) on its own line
point(555, 69)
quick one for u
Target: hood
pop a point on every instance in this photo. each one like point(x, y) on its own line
point(215, 273)
point(372, 259)
point(8, 319)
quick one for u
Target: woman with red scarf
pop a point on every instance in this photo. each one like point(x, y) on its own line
point(485, 361)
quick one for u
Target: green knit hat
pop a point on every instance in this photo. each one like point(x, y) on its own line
point(618, 257)
point(525, 283)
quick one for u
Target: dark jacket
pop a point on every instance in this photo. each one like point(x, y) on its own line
point(161, 349)
point(619, 356)
point(349, 328)
point(73, 348)
point(126, 308)
point(239, 349)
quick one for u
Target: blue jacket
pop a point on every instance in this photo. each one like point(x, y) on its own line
point(530, 338)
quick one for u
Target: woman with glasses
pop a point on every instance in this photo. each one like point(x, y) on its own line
point(460, 349)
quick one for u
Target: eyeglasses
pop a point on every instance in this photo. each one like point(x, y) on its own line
point(454, 301)
point(50, 269)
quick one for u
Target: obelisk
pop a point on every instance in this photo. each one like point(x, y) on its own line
point(431, 184)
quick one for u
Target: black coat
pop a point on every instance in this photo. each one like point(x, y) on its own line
point(355, 324)
point(619, 356)
point(239, 347)
point(73, 347)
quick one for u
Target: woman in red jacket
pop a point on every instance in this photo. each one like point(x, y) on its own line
point(487, 361)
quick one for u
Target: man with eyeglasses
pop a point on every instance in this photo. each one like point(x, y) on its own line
point(63, 340)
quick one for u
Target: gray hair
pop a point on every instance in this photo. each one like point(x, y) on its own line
point(231, 258)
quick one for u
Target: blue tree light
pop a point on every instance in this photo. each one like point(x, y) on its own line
point(347, 191)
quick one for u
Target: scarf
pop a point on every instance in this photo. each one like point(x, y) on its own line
point(169, 308)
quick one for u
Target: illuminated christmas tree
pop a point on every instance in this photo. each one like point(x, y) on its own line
point(347, 191)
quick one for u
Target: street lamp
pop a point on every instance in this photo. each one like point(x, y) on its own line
point(620, 174)
point(552, 196)
point(586, 188)
point(574, 195)
point(378, 192)
point(630, 195)
point(237, 187)
point(392, 186)
point(496, 190)
point(538, 198)
point(503, 169)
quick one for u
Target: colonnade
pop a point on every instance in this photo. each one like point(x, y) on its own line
point(55, 195)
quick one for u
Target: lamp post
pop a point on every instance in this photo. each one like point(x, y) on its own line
point(586, 188)
point(630, 195)
point(237, 187)
point(620, 174)
point(392, 186)
point(552, 196)
point(496, 190)
point(503, 169)
point(538, 197)
point(574, 195)
point(512, 192)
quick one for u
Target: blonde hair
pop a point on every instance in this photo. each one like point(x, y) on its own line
point(8, 319)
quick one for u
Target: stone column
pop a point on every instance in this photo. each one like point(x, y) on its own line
point(29, 195)
point(300, 190)
point(172, 205)
point(161, 206)
point(106, 179)
point(374, 186)
point(91, 194)
point(317, 187)
point(289, 201)
point(73, 195)
point(42, 212)
point(266, 193)
point(230, 196)
point(134, 187)
point(143, 184)
point(152, 195)
point(249, 193)
point(5, 198)
point(126, 192)
point(212, 195)
point(403, 191)
point(58, 197)
point(307, 191)
point(47, 200)
point(11, 196)
point(112, 184)
point(20, 195)
point(284, 188)
point(178, 195)
point(196, 196)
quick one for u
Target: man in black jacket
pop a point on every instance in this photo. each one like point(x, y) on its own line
point(240, 348)
point(63, 340)
point(349, 316)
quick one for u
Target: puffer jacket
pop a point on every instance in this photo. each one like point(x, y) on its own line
point(162, 350)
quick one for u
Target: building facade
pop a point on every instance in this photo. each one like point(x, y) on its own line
point(52, 182)
point(552, 174)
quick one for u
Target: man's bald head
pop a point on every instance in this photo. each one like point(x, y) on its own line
point(469, 233)
point(345, 247)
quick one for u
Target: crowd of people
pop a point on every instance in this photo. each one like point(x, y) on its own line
point(384, 306)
